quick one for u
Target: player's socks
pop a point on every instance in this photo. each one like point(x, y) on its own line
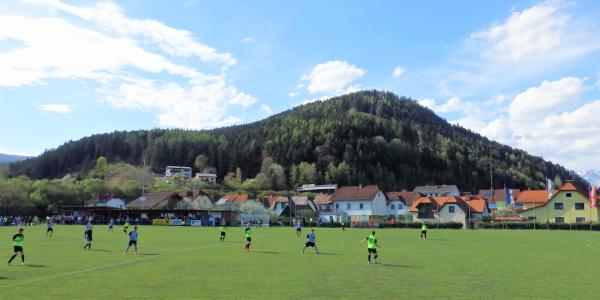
point(369, 258)
point(11, 259)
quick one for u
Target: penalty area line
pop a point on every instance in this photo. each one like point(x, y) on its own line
point(44, 278)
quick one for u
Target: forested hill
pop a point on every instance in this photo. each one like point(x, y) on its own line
point(367, 137)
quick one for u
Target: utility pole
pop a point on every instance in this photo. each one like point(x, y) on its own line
point(143, 197)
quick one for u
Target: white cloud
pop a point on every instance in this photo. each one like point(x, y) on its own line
point(548, 97)
point(173, 41)
point(332, 77)
point(56, 108)
point(248, 40)
point(137, 63)
point(293, 94)
point(195, 107)
point(266, 109)
point(453, 104)
point(470, 122)
point(398, 71)
point(528, 43)
point(533, 31)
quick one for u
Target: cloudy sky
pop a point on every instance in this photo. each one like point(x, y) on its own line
point(524, 73)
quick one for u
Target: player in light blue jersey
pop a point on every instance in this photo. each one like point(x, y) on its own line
point(310, 241)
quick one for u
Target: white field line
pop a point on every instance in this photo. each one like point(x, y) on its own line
point(44, 278)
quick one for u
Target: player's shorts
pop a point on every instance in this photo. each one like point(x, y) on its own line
point(18, 249)
point(110, 226)
point(249, 239)
point(424, 231)
point(309, 244)
point(372, 250)
point(222, 233)
point(49, 230)
point(298, 229)
point(131, 243)
point(88, 235)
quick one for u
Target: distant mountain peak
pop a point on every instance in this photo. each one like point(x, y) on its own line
point(592, 176)
point(8, 158)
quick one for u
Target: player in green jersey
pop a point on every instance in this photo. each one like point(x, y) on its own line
point(372, 246)
point(18, 246)
point(248, 234)
point(423, 231)
point(223, 232)
point(126, 226)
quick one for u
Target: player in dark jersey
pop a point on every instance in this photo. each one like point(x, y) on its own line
point(88, 236)
point(50, 227)
point(372, 246)
point(310, 241)
point(18, 246)
point(133, 238)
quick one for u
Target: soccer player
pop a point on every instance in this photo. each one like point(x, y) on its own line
point(50, 229)
point(372, 246)
point(223, 232)
point(126, 226)
point(343, 226)
point(133, 237)
point(298, 228)
point(423, 230)
point(18, 246)
point(310, 241)
point(111, 223)
point(248, 234)
point(88, 236)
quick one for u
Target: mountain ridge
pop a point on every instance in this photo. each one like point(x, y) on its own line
point(366, 137)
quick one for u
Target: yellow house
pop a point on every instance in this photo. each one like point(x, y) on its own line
point(567, 205)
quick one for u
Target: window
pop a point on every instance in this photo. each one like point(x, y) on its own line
point(348, 206)
point(579, 206)
point(558, 206)
point(579, 220)
point(360, 206)
point(569, 195)
point(559, 220)
point(532, 218)
point(451, 209)
point(399, 205)
point(337, 206)
point(393, 206)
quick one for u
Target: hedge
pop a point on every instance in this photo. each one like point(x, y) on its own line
point(552, 226)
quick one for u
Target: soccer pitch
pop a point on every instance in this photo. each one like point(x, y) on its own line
point(188, 263)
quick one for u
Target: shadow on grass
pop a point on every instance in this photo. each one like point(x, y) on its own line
point(265, 252)
point(100, 250)
point(5, 278)
point(148, 254)
point(398, 266)
point(327, 253)
point(36, 266)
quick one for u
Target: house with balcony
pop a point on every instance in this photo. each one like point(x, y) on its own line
point(361, 204)
point(449, 209)
point(398, 203)
point(437, 190)
point(177, 171)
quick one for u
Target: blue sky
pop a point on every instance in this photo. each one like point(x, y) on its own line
point(523, 73)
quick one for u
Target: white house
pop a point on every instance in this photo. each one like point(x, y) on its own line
point(176, 171)
point(449, 209)
point(438, 190)
point(207, 177)
point(106, 200)
point(398, 203)
point(360, 203)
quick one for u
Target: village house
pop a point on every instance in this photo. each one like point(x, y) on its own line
point(398, 203)
point(362, 204)
point(567, 205)
point(449, 209)
point(106, 200)
point(498, 201)
point(437, 190)
point(232, 199)
point(162, 200)
point(532, 198)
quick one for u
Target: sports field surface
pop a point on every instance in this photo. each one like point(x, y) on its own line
point(190, 263)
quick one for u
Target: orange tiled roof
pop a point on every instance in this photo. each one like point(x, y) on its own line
point(568, 186)
point(439, 202)
point(533, 196)
point(322, 199)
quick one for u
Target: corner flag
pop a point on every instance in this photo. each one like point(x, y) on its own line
point(549, 188)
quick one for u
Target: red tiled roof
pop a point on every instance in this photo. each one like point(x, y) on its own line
point(533, 196)
point(322, 199)
point(235, 197)
point(355, 193)
point(439, 202)
point(569, 187)
point(407, 197)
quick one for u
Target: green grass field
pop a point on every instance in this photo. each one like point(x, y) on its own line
point(187, 263)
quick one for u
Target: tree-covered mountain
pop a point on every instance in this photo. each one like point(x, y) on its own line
point(367, 137)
